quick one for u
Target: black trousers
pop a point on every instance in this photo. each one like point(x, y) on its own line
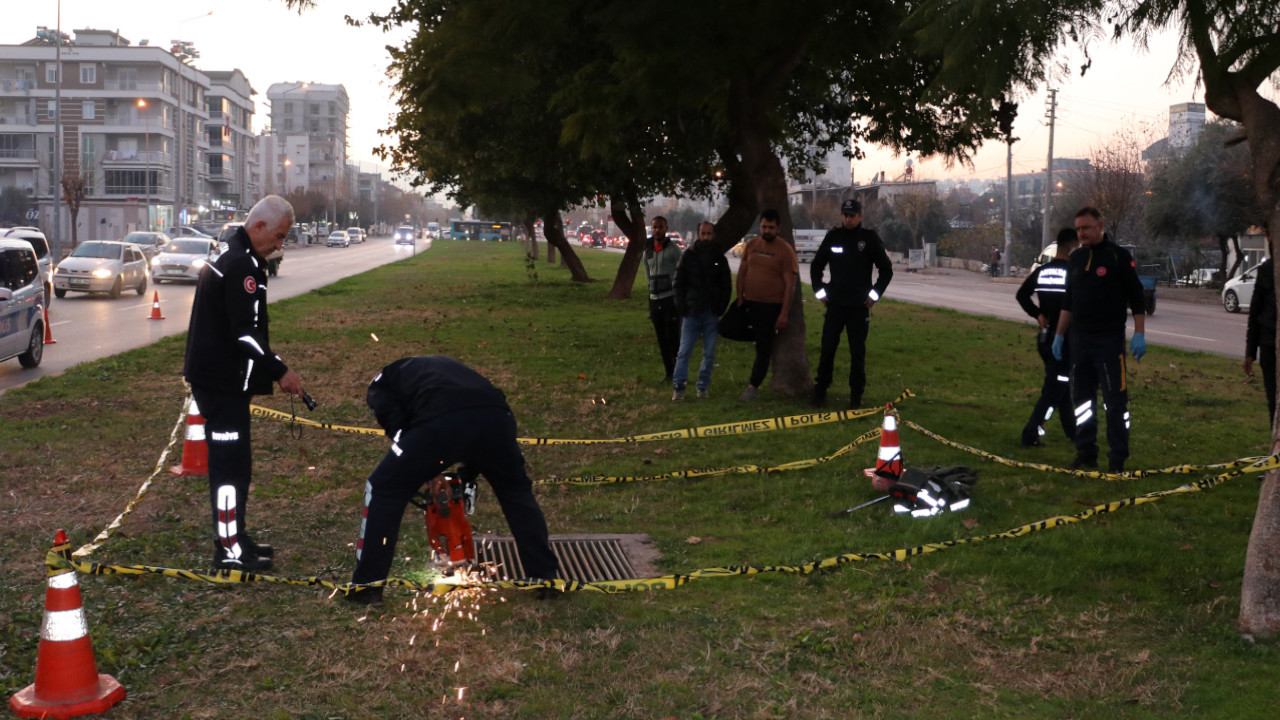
point(1097, 362)
point(1267, 360)
point(854, 321)
point(484, 439)
point(226, 427)
point(763, 317)
point(666, 324)
point(1055, 393)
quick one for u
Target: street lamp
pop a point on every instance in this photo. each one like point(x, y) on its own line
point(142, 105)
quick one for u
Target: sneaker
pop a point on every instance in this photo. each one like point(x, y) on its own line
point(248, 562)
point(818, 398)
point(1084, 463)
point(751, 393)
point(371, 597)
point(703, 393)
point(678, 394)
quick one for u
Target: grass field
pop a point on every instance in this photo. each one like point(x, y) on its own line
point(1130, 614)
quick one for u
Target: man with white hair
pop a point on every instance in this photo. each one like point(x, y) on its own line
point(229, 359)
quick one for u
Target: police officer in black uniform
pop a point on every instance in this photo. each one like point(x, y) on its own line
point(1102, 279)
point(439, 412)
point(851, 251)
point(1049, 285)
point(228, 360)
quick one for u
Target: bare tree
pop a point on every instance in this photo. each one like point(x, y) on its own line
point(1116, 183)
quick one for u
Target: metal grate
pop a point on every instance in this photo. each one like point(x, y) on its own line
point(585, 558)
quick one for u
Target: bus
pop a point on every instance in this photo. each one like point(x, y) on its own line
point(482, 230)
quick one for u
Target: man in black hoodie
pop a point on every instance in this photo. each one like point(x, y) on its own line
point(702, 288)
point(1260, 336)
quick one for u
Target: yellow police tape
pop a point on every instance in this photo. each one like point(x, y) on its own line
point(746, 427)
point(56, 560)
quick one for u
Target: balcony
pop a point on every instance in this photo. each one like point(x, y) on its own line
point(139, 191)
point(18, 87)
point(133, 86)
point(137, 157)
point(10, 157)
point(130, 120)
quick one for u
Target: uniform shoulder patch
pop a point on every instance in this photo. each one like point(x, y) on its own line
point(250, 285)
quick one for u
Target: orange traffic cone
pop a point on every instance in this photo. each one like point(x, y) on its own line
point(48, 330)
point(195, 453)
point(889, 460)
point(67, 680)
point(155, 307)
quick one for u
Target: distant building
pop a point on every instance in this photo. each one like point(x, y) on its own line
point(231, 158)
point(309, 151)
point(1028, 188)
point(1186, 120)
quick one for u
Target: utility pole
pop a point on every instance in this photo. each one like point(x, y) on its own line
point(1048, 174)
point(57, 143)
point(1008, 206)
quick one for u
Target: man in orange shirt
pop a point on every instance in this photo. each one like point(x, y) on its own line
point(766, 282)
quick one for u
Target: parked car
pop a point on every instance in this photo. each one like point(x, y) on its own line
point(338, 238)
point(182, 259)
point(355, 234)
point(1238, 291)
point(187, 231)
point(1200, 277)
point(403, 235)
point(102, 266)
point(40, 245)
point(273, 260)
point(150, 243)
point(21, 290)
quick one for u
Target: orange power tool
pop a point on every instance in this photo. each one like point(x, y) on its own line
point(449, 500)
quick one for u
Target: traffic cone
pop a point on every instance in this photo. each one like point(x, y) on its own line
point(155, 307)
point(48, 329)
point(67, 680)
point(195, 452)
point(889, 460)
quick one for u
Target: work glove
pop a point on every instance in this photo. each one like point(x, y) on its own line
point(1057, 347)
point(1138, 345)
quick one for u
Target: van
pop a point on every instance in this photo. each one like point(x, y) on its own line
point(41, 247)
point(21, 320)
point(807, 243)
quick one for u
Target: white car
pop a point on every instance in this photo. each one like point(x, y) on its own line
point(21, 290)
point(102, 266)
point(404, 235)
point(338, 238)
point(1238, 291)
point(356, 234)
point(43, 257)
point(182, 260)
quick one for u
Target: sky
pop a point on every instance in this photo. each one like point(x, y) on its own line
point(270, 44)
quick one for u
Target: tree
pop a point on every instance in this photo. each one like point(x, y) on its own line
point(76, 182)
point(14, 205)
point(1115, 182)
point(1236, 48)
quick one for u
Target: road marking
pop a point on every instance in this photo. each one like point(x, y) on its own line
point(131, 308)
point(1189, 337)
point(61, 322)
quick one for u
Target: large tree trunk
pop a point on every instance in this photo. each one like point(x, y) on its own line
point(553, 229)
point(628, 215)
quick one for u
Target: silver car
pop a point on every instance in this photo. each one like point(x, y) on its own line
point(150, 243)
point(102, 266)
point(338, 238)
point(181, 260)
point(21, 289)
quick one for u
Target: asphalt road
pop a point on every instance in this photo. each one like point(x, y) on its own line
point(88, 327)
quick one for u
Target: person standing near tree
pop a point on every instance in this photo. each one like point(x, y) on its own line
point(1049, 285)
point(851, 251)
point(661, 258)
point(702, 291)
point(766, 281)
point(1260, 336)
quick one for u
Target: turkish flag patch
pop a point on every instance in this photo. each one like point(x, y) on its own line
point(1102, 271)
point(250, 285)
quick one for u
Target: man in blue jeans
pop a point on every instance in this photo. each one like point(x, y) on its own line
point(702, 288)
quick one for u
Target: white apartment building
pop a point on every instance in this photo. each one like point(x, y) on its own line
point(231, 160)
point(306, 147)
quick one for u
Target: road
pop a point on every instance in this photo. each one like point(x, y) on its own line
point(88, 327)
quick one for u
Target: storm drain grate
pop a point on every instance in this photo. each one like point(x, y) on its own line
point(585, 558)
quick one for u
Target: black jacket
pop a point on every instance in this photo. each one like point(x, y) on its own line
point(414, 390)
point(851, 253)
point(1049, 284)
point(1101, 281)
point(702, 281)
point(227, 339)
point(1262, 312)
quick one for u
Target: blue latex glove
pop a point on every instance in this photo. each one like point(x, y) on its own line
point(1138, 345)
point(1057, 347)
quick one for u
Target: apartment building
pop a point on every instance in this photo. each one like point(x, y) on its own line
point(307, 148)
point(231, 160)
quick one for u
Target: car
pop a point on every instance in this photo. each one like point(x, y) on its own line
point(105, 266)
point(273, 260)
point(356, 234)
point(40, 245)
point(182, 259)
point(403, 235)
point(1238, 291)
point(187, 231)
point(150, 243)
point(1200, 277)
point(21, 291)
point(338, 238)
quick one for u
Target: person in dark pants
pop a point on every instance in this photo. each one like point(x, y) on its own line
point(661, 258)
point(228, 360)
point(1102, 279)
point(439, 412)
point(1260, 336)
point(1049, 285)
point(851, 251)
point(766, 281)
point(701, 294)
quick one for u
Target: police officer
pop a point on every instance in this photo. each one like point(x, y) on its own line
point(851, 251)
point(1260, 333)
point(1049, 285)
point(439, 412)
point(1102, 278)
point(228, 360)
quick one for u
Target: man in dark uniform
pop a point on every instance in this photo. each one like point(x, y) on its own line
point(228, 360)
point(1049, 285)
point(439, 412)
point(851, 251)
point(1260, 336)
point(1102, 278)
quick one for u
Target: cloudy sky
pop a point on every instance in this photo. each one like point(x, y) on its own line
point(1125, 88)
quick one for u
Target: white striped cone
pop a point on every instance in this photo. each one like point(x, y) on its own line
point(195, 451)
point(889, 458)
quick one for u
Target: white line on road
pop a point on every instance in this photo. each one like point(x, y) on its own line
point(1173, 334)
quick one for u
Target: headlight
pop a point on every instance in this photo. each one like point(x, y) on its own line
point(197, 263)
point(102, 273)
point(59, 271)
point(155, 261)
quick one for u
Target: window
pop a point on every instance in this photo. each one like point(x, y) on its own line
point(51, 73)
point(18, 268)
point(88, 73)
point(315, 108)
point(86, 112)
point(52, 108)
point(127, 79)
point(288, 124)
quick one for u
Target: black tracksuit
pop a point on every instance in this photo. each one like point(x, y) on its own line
point(229, 359)
point(1102, 286)
point(851, 253)
point(1260, 337)
point(439, 412)
point(1049, 285)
